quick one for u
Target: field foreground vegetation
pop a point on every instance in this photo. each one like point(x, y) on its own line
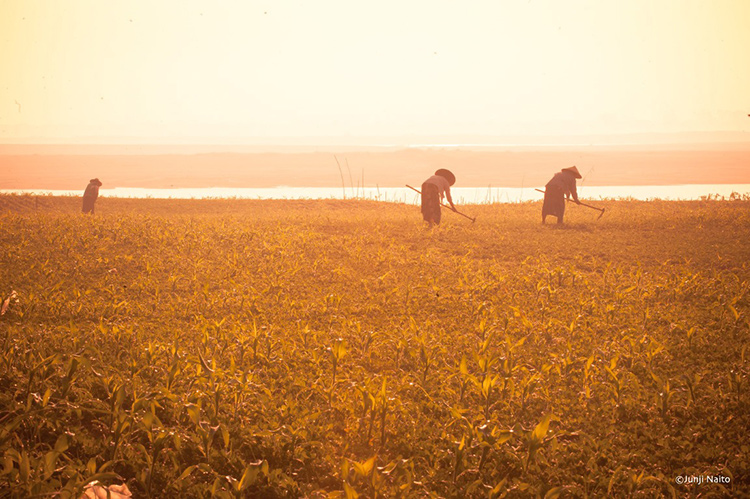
point(235, 348)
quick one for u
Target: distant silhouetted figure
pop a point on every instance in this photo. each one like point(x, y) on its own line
point(562, 185)
point(434, 189)
point(90, 195)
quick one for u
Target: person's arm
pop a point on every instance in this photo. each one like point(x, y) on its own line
point(574, 192)
point(571, 189)
point(449, 198)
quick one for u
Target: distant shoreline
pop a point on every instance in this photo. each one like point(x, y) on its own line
point(54, 168)
point(461, 195)
point(147, 149)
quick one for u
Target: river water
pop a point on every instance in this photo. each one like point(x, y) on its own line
point(463, 195)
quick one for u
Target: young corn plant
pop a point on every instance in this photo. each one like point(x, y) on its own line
point(465, 377)
point(690, 334)
point(736, 381)
point(737, 375)
point(243, 385)
point(72, 372)
point(484, 328)
point(337, 353)
point(331, 306)
point(366, 473)
point(615, 380)
point(349, 492)
point(253, 471)
point(158, 440)
point(566, 362)
point(528, 385)
point(257, 334)
point(588, 372)
point(509, 366)
point(174, 367)
point(691, 385)
point(366, 338)
point(378, 406)
point(640, 484)
point(368, 403)
point(461, 446)
point(486, 389)
point(426, 356)
point(475, 437)
point(664, 394)
point(536, 439)
point(489, 439)
point(120, 420)
point(213, 378)
point(654, 349)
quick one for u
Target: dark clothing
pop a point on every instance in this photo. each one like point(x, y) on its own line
point(431, 203)
point(89, 197)
point(443, 185)
point(565, 182)
point(434, 189)
point(554, 202)
point(562, 185)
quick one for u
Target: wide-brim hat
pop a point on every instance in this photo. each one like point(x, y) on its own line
point(573, 170)
point(96, 181)
point(447, 174)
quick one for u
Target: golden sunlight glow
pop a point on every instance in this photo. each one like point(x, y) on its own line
point(140, 70)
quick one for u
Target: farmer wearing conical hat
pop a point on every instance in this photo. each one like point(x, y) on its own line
point(434, 189)
point(90, 195)
point(562, 185)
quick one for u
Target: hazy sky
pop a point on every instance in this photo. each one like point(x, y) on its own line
point(222, 70)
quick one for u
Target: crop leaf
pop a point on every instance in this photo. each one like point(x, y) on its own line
point(364, 469)
point(541, 429)
point(462, 367)
point(350, 492)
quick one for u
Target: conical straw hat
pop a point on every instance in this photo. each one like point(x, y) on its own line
point(447, 174)
point(573, 170)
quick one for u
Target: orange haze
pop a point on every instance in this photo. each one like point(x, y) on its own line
point(70, 167)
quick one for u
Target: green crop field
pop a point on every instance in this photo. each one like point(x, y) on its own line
point(246, 348)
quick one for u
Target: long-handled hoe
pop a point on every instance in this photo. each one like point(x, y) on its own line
point(583, 204)
point(446, 206)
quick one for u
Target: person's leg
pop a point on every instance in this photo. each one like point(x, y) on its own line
point(425, 203)
point(555, 203)
point(430, 204)
point(561, 211)
point(548, 205)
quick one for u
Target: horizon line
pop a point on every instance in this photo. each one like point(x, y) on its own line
point(405, 140)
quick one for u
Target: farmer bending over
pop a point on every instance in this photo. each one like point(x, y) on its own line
point(562, 185)
point(434, 189)
point(90, 195)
